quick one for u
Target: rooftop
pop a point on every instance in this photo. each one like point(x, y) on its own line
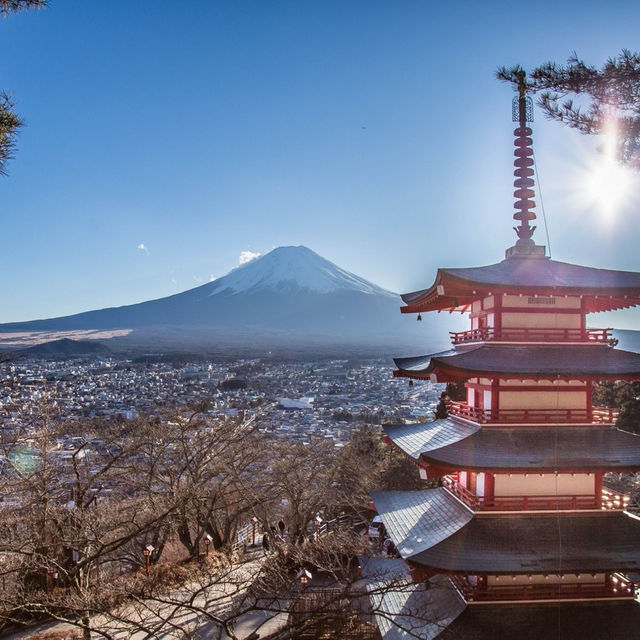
point(406, 609)
point(533, 362)
point(567, 621)
point(603, 289)
point(418, 520)
point(538, 544)
point(447, 443)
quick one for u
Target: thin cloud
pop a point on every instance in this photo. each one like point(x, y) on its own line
point(248, 256)
point(143, 247)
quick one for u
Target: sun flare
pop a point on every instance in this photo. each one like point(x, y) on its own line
point(608, 185)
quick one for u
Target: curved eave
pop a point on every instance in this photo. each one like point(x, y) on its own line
point(454, 293)
point(531, 621)
point(526, 362)
point(538, 544)
point(396, 599)
point(417, 520)
point(560, 449)
point(416, 439)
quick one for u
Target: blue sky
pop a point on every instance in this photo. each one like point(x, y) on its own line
point(163, 139)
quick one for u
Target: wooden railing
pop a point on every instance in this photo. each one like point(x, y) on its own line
point(599, 336)
point(608, 500)
point(616, 587)
point(612, 500)
point(598, 415)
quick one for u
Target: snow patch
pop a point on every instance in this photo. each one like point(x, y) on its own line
point(291, 269)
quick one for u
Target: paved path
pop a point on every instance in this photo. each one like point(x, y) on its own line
point(217, 599)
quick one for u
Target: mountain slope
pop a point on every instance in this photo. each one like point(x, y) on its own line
point(290, 289)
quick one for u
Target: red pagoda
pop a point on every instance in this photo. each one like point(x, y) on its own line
point(522, 527)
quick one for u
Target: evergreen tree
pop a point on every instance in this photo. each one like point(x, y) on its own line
point(10, 121)
point(453, 391)
point(624, 396)
point(612, 94)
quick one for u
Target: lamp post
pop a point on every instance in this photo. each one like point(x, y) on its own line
point(52, 574)
point(304, 577)
point(148, 550)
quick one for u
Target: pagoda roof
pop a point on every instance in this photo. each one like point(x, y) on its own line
point(404, 609)
point(433, 529)
point(454, 289)
point(546, 449)
point(532, 362)
point(418, 520)
point(417, 438)
point(538, 544)
point(561, 621)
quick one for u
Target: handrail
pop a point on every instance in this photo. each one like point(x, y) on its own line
point(617, 587)
point(598, 415)
point(607, 501)
point(488, 334)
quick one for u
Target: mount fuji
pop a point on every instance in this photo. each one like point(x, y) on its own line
point(289, 294)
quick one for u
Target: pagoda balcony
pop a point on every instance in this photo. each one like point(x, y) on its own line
point(617, 586)
point(608, 500)
point(590, 336)
point(597, 415)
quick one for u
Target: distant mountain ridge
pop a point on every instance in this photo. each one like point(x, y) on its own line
point(65, 348)
point(289, 293)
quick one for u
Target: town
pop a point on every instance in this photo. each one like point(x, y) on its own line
point(298, 401)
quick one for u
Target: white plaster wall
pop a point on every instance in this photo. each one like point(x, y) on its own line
point(541, 320)
point(548, 484)
point(542, 400)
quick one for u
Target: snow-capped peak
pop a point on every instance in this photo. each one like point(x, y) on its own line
point(288, 269)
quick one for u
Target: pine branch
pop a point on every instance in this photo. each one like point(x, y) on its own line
point(10, 122)
point(14, 6)
point(611, 96)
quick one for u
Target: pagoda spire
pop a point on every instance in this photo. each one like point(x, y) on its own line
point(522, 109)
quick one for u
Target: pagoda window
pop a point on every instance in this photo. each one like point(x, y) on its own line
point(480, 485)
point(486, 400)
point(471, 396)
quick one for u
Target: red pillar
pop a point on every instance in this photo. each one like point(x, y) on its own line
point(495, 398)
point(497, 314)
point(598, 488)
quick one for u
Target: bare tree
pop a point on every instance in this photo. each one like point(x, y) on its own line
point(59, 528)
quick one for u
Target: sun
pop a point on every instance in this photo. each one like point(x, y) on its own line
point(608, 185)
point(605, 184)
